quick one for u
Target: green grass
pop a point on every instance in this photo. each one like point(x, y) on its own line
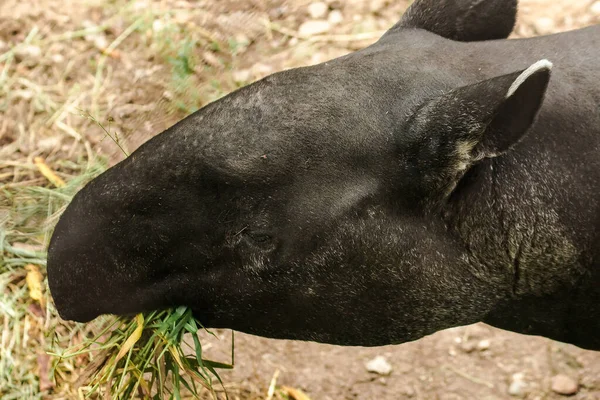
point(145, 356)
point(27, 215)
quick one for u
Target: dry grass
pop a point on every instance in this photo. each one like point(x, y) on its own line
point(28, 211)
point(71, 69)
point(70, 74)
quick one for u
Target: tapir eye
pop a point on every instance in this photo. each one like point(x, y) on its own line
point(259, 237)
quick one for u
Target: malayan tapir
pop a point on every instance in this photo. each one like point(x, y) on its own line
point(439, 177)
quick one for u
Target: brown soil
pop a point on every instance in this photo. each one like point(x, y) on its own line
point(452, 364)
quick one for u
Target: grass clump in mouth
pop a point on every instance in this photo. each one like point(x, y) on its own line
point(146, 357)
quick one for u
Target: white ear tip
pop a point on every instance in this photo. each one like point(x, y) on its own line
point(538, 66)
point(542, 64)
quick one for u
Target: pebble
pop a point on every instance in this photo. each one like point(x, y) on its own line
point(517, 386)
point(379, 365)
point(335, 17)
point(318, 10)
point(58, 58)
point(483, 345)
point(100, 42)
point(313, 27)
point(467, 347)
point(28, 51)
point(242, 76)
point(545, 26)
point(595, 8)
point(564, 385)
point(261, 70)
point(158, 25)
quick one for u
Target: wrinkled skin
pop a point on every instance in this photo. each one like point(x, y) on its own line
point(436, 178)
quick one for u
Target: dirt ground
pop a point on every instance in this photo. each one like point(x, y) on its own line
point(139, 94)
point(474, 362)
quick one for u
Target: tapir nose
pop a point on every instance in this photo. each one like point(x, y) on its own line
point(77, 263)
point(100, 259)
point(71, 286)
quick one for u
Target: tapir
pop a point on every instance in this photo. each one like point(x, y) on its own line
point(442, 176)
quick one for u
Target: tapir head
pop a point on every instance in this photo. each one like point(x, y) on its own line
point(309, 205)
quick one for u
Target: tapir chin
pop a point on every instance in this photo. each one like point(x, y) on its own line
point(442, 176)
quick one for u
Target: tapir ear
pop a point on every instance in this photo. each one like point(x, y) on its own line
point(485, 119)
point(462, 20)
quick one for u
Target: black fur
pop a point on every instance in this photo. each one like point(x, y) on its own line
point(463, 20)
point(406, 188)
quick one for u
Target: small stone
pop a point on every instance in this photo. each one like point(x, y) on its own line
point(335, 17)
point(313, 27)
point(517, 386)
point(467, 347)
point(564, 385)
point(379, 365)
point(545, 26)
point(100, 42)
point(58, 58)
point(242, 76)
point(483, 345)
point(158, 25)
point(318, 10)
point(261, 70)
point(28, 52)
point(595, 8)
point(317, 58)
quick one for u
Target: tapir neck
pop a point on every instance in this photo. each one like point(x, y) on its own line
point(510, 214)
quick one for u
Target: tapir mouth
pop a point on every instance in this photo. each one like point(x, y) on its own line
point(72, 300)
point(70, 313)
